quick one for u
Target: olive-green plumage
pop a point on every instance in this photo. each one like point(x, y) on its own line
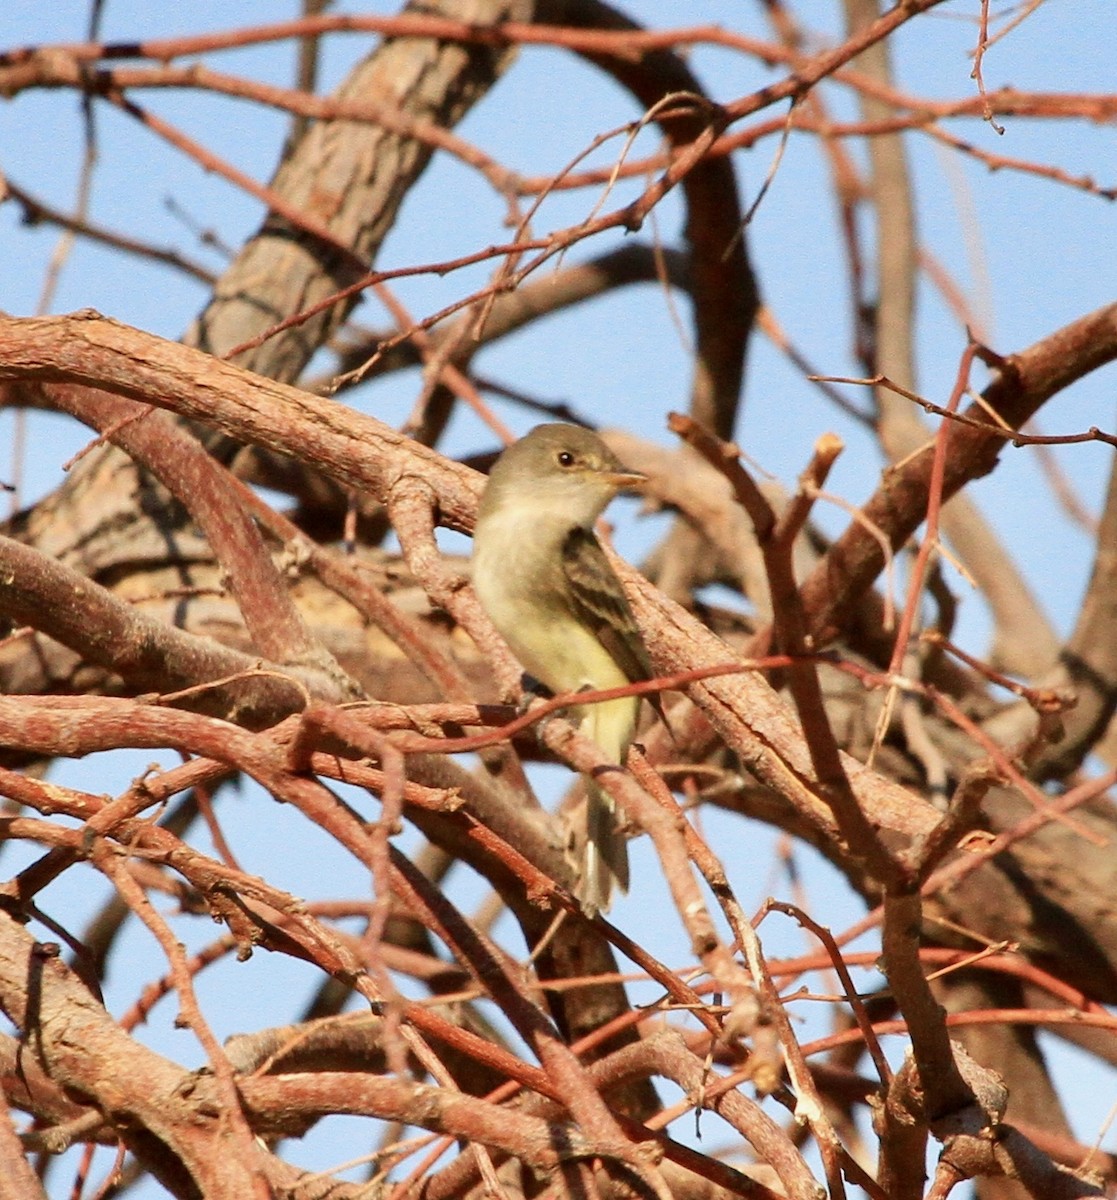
point(541, 575)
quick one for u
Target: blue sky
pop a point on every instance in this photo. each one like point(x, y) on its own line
point(1031, 255)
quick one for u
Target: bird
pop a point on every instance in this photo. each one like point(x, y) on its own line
point(544, 581)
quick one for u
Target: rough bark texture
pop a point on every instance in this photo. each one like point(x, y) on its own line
point(155, 602)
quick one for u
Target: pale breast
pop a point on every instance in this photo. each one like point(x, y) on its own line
point(518, 579)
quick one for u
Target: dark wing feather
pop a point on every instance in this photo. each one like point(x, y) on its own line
point(600, 603)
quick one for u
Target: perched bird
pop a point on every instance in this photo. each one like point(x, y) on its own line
point(541, 575)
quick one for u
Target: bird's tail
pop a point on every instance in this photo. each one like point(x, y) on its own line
point(605, 858)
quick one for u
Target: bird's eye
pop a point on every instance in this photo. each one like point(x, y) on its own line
point(564, 458)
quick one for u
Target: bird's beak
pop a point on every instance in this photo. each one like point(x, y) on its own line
point(619, 480)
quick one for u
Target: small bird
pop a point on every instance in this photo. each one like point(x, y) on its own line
point(542, 577)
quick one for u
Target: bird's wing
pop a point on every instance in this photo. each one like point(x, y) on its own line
point(601, 604)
